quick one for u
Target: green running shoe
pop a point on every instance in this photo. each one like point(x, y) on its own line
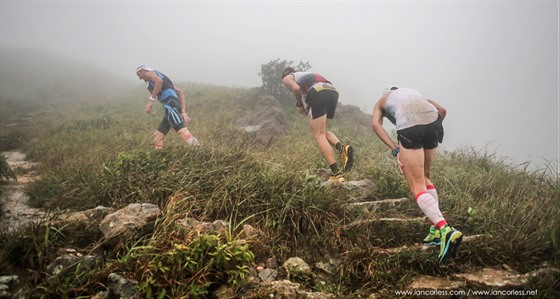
point(450, 240)
point(347, 157)
point(433, 238)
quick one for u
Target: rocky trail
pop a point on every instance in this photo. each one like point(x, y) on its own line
point(16, 212)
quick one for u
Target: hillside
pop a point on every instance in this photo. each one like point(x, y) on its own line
point(39, 77)
point(22, 67)
point(238, 218)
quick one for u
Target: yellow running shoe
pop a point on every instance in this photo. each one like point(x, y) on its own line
point(347, 157)
point(337, 177)
point(433, 238)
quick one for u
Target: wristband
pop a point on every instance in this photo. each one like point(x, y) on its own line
point(396, 151)
point(152, 99)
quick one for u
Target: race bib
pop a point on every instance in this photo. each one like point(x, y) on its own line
point(322, 86)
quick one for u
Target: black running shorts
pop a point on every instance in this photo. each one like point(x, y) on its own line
point(422, 136)
point(322, 102)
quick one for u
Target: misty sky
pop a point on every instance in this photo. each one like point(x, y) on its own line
point(493, 64)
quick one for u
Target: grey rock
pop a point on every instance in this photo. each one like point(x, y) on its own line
point(268, 275)
point(266, 122)
point(129, 220)
point(71, 260)
point(296, 266)
point(121, 287)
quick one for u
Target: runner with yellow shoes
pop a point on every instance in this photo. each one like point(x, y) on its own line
point(316, 97)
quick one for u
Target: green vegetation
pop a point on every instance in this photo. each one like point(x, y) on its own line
point(270, 76)
point(99, 153)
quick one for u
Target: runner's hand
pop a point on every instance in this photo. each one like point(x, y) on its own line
point(148, 108)
point(302, 110)
point(186, 117)
point(400, 164)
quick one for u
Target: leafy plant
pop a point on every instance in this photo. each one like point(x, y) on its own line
point(191, 268)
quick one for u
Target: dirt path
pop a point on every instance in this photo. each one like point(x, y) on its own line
point(13, 198)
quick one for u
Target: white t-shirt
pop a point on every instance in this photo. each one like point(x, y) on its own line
point(406, 107)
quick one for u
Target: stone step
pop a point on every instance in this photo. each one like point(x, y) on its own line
point(386, 208)
point(495, 281)
point(427, 282)
point(421, 247)
point(354, 191)
point(377, 204)
point(385, 220)
point(385, 232)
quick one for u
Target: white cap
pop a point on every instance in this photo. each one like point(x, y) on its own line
point(144, 67)
point(389, 88)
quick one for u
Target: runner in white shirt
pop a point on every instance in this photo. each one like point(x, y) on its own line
point(418, 121)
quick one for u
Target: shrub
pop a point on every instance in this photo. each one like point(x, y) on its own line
point(191, 268)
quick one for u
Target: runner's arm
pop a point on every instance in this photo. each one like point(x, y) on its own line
point(377, 125)
point(157, 86)
point(441, 111)
point(291, 84)
point(182, 101)
point(183, 104)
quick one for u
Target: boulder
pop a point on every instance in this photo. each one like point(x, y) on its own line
point(296, 266)
point(95, 214)
point(266, 122)
point(136, 218)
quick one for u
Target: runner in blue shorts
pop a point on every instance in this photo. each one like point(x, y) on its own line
point(317, 98)
point(419, 131)
point(173, 100)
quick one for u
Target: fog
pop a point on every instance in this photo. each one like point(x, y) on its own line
point(494, 64)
